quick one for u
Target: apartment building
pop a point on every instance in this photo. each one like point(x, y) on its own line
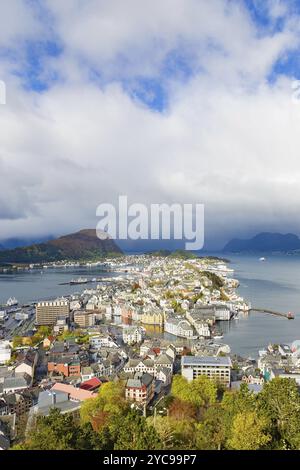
point(47, 312)
point(84, 319)
point(140, 388)
point(215, 368)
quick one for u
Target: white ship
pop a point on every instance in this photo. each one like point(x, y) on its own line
point(262, 259)
point(218, 336)
point(12, 302)
point(80, 280)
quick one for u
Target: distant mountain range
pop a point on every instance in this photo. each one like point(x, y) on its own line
point(264, 242)
point(81, 245)
point(12, 243)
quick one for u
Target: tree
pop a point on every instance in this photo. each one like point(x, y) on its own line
point(164, 429)
point(200, 392)
point(17, 341)
point(133, 433)
point(110, 400)
point(280, 402)
point(58, 432)
point(249, 432)
point(180, 410)
point(211, 432)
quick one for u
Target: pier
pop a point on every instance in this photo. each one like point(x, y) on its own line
point(289, 315)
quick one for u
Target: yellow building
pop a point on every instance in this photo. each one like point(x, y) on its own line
point(153, 318)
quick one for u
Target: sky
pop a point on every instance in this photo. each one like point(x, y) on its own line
point(168, 101)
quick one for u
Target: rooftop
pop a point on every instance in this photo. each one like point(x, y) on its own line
point(205, 360)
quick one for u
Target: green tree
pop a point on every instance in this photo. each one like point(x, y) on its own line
point(280, 402)
point(201, 392)
point(249, 432)
point(59, 432)
point(133, 433)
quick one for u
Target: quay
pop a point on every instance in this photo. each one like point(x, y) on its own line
point(289, 315)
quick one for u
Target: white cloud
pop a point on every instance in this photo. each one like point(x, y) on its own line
point(228, 138)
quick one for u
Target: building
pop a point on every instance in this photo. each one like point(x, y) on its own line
point(61, 325)
point(16, 383)
point(222, 312)
point(47, 312)
point(133, 335)
point(84, 319)
point(140, 388)
point(5, 352)
point(27, 363)
point(152, 318)
point(68, 366)
point(75, 393)
point(215, 368)
point(179, 327)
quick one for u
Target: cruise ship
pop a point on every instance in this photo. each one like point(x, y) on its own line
point(12, 302)
point(80, 280)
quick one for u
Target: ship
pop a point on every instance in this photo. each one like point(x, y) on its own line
point(12, 302)
point(262, 259)
point(80, 280)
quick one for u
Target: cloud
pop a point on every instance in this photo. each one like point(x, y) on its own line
point(225, 136)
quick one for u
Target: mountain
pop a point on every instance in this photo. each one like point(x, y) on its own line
point(81, 245)
point(264, 242)
point(12, 243)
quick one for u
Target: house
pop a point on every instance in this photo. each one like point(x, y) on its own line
point(140, 388)
point(77, 394)
point(100, 341)
point(5, 352)
point(164, 375)
point(133, 335)
point(16, 382)
point(27, 363)
point(179, 326)
point(61, 325)
point(48, 341)
point(153, 318)
point(91, 385)
point(17, 403)
point(52, 399)
point(67, 366)
point(137, 365)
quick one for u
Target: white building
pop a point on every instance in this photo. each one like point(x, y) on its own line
point(202, 329)
point(179, 327)
point(133, 335)
point(5, 352)
point(222, 312)
point(215, 368)
point(98, 342)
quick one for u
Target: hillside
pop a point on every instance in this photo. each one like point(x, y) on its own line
point(264, 242)
point(81, 245)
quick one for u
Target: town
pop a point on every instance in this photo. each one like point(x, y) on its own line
point(151, 319)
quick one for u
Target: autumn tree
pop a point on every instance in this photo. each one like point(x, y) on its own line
point(249, 432)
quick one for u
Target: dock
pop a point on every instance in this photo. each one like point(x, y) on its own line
point(289, 315)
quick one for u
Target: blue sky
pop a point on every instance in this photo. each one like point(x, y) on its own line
point(173, 101)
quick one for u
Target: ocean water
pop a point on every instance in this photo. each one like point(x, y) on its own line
point(273, 284)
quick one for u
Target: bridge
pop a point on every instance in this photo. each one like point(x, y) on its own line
point(289, 315)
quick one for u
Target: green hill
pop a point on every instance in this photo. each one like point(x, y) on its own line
point(77, 246)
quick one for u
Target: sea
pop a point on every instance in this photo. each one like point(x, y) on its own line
point(273, 284)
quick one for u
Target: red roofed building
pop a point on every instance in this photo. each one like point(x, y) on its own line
point(91, 385)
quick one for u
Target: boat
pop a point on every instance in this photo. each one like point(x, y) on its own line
point(218, 336)
point(262, 259)
point(80, 280)
point(290, 316)
point(12, 302)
